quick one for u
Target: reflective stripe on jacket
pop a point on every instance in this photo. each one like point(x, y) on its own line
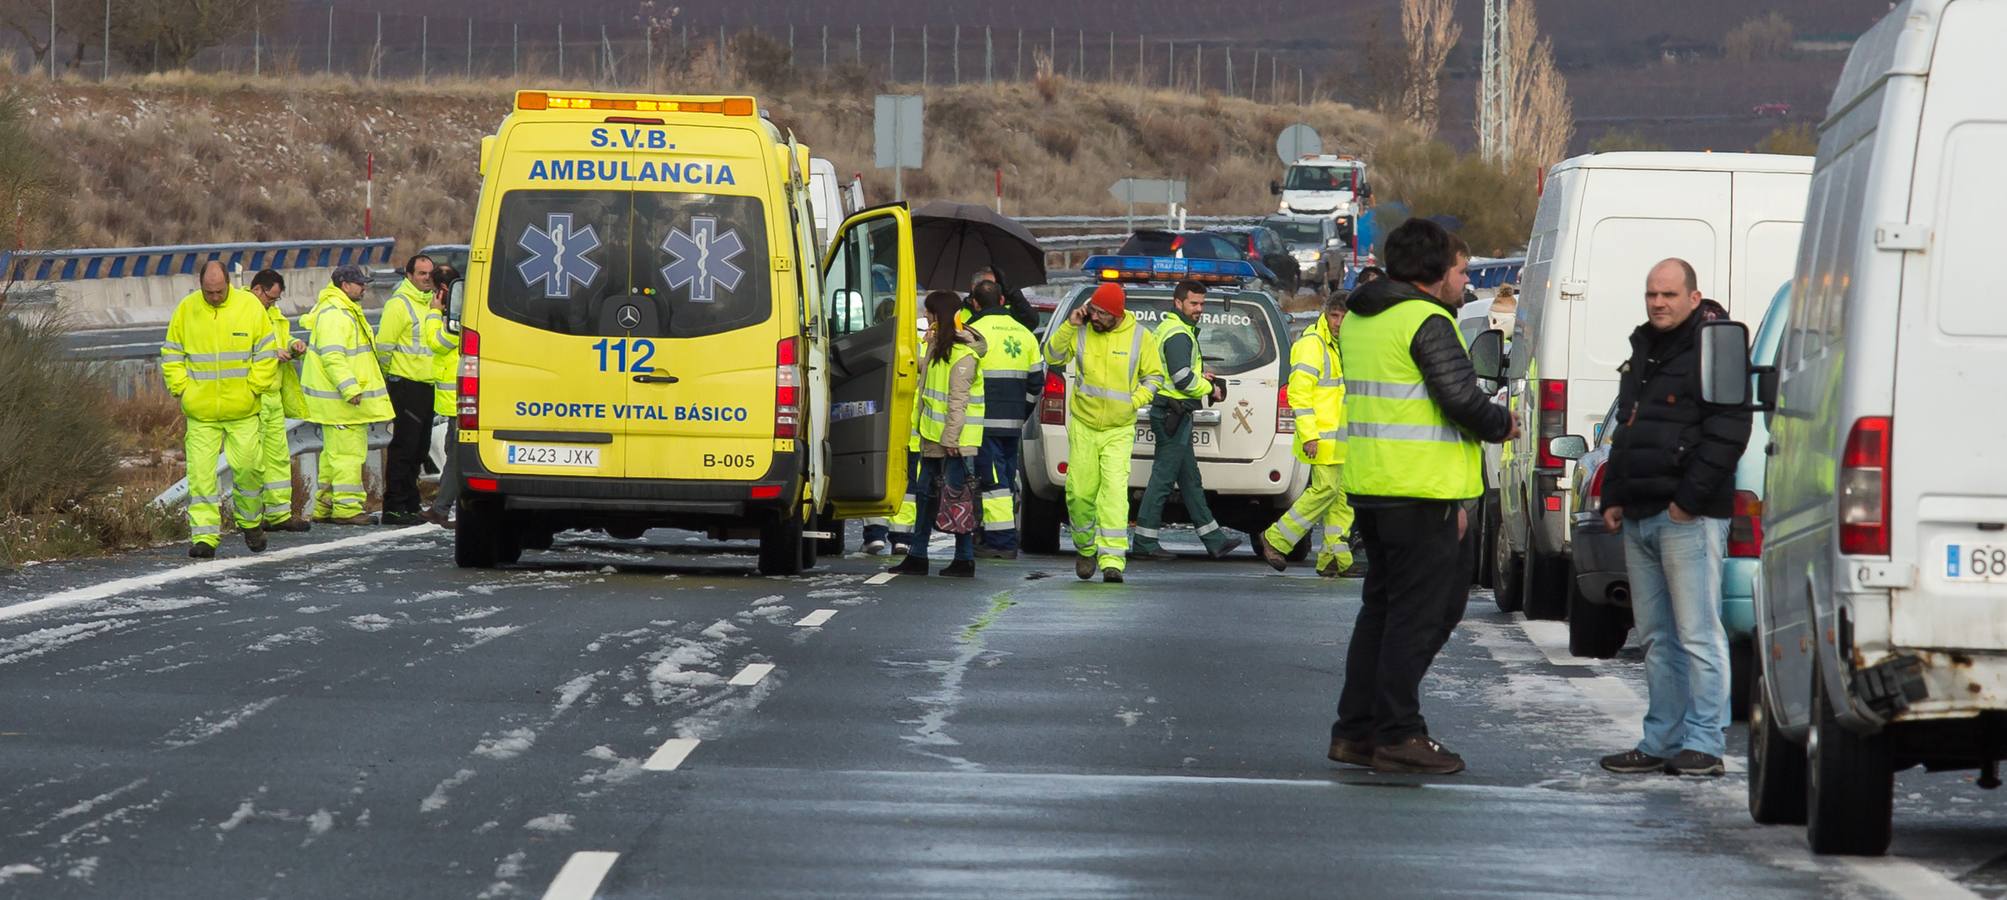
point(933, 415)
point(1317, 394)
point(1114, 373)
point(1399, 442)
point(341, 364)
point(218, 359)
point(1007, 371)
point(410, 332)
point(1191, 371)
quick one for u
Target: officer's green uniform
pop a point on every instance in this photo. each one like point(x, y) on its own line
point(1114, 374)
point(275, 450)
point(1175, 464)
point(217, 360)
point(340, 366)
point(1317, 398)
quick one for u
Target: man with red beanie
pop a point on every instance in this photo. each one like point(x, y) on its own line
point(1115, 371)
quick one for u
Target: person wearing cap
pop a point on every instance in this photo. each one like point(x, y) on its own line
point(1115, 372)
point(217, 359)
point(345, 392)
point(409, 335)
point(275, 406)
point(1175, 467)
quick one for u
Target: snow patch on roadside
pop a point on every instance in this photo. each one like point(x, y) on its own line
point(437, 800)
point(48, 640)
point(484, 635)
point(370, 622)
point(570, 691)
point(202, 728)
point(555, 823)
point(430, 596)
point(304, 635)
point(509, 745)
point(9, 873)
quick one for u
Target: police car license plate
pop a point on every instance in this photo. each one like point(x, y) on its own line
point(1200, 437)
point(546, 455)
point(1975, 562)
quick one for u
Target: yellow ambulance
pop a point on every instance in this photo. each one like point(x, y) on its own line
point(649, 341)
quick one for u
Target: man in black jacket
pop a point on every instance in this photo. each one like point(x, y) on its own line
point(1414, 419)
point(1670, 485)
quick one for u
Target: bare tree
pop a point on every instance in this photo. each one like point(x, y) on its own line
point(79, 26)
point(1758, 39)
point(167, 34)
point(1430, 30)
point(1543, 118)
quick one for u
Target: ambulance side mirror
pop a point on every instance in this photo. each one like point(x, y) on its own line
point(1724, 364)
point(1487, 354)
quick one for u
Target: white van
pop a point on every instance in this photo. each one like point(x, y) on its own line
point(1604, 220)
point(825, 199)
point(1882, 610)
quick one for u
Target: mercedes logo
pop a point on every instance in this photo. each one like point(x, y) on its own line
point(629, 316)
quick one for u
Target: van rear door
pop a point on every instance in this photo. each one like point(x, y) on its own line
point(1948, 492)
point(871, 286)
point(1633, 219)
point(703, 355)
point(560, 251)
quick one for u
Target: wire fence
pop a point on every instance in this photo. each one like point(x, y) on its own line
point(324, 38)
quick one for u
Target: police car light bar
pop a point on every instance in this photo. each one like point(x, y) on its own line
point(1168, 269)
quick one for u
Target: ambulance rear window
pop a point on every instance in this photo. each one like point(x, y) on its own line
point(567, 261)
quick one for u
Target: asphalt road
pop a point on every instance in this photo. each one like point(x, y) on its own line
point(651, 719)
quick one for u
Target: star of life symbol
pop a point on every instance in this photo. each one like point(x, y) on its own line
point(703, 259)
point(1012, 347)
point(558, 256)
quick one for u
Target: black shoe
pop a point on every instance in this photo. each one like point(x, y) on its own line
point(1354, 753)
point(993, 553)
point(201, 551)
point(1232, 544)
point(397, 519)
point(1694, 762)
point(1635, 762)
point(254, 538)
point(1111, 575)
point(1156, 553)
point(961, 568)
point(1083, 566)
point(294, 524)
point(911, 565)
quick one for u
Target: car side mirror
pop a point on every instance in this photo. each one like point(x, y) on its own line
point(1487, 355)
point(1724, 364)
point(1275, 187)
point(1570, 447)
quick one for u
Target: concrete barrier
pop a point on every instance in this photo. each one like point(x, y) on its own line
point(101, 288)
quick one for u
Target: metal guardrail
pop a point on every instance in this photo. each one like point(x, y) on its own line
point(1047, 221)
point(1491, 273)
point(301, 436)
point(186, 259)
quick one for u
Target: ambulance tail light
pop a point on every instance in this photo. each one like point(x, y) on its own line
point(1745, 531)
point(470, 380)
point(1553, 420)
point(1285, 415)
point(1052, 405)
point(1864, 488)
point(787, 389)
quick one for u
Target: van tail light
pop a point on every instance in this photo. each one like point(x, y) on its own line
point(1864, 488)
point(787, 389)
point(1052, 405)
point(1745, 531)
point(1592, 494)
point(470, 381)
point(1553, 420)
point(1285, 415)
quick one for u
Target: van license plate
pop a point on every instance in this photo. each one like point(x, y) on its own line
point(1975, 562)
point(545, 455)
point(1200, 437)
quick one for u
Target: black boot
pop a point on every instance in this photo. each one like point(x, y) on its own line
point(909, 566)
point(961, 568)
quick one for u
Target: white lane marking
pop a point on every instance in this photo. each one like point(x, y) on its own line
point(1552, 639)
point(581, 875)
point(671, 754)
point(881, 578)
point(751, 674)
point(1903, 878)
point(816, 618)
point(195, 571)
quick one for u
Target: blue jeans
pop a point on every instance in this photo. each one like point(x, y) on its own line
point(1675, 572)
point(996, 465)
point(928, 501)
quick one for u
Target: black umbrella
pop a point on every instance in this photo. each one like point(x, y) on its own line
point(952, 240)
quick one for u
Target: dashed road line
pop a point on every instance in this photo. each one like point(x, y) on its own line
point(581, 875)
point(817, 618)
point(671, 754)
point(881, 578)
point(751, 674)
point(195, 571)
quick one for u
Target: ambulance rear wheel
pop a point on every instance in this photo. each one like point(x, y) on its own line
point(483, 538)
point(782, 551)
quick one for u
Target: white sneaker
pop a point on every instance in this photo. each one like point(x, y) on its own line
point(874, 548)
point(898, 549)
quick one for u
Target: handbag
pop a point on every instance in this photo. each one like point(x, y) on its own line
point(957, 513)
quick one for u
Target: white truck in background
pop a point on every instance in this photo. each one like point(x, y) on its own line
point(1324, 185)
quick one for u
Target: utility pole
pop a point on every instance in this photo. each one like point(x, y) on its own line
point(1494, 98)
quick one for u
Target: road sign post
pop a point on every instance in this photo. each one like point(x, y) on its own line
point(898, 138)
point(1148, 190)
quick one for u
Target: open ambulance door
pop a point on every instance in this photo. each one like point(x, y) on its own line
point(871, 297)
